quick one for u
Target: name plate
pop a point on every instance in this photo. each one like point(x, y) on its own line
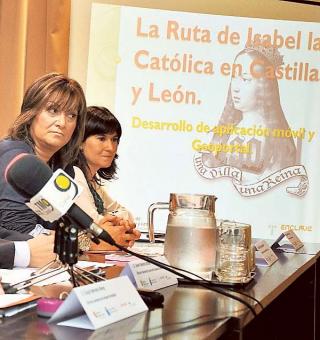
point(267, 256)
point(293, 239)
point(294, 242)
point(99, 304)
point(145, 275)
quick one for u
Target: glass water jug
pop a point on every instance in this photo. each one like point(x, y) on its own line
point(190, 241)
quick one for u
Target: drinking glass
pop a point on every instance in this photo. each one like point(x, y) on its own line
point(234, 252)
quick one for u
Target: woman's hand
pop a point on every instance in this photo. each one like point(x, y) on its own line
point(109, 219)
point(119, 221)
point(122, 231)
point(131, 229)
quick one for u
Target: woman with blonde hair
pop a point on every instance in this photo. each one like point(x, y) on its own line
point(51, 126)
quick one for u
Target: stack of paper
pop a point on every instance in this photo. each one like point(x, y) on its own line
point(11, 304)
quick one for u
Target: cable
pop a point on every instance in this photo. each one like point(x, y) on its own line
point(207, 281)
point(173, 270)
point(71, 272)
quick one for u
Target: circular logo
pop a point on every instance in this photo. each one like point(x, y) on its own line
point(62, 182)
point(44, 203)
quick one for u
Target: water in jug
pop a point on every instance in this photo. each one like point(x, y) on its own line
point(190, 241)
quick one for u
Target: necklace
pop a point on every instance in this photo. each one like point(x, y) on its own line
point(98, 201)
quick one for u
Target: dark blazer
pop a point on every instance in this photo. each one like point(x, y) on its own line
point(7, 249)
point(14, 213)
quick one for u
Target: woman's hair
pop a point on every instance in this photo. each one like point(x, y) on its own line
point(268, 99)
point(68, 96)
point(268, 95)
point(100, 121)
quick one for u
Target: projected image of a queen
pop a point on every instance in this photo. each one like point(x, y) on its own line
point(250, 143)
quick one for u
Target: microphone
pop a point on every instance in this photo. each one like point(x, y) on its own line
point(29, 176)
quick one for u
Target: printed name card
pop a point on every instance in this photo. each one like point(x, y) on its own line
point(293, 239)
point(145, 275)
point(267, 256)
point(99, 304)
point(293, 246)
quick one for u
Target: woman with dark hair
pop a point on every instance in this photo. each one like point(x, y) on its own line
point(96, 164)
point(253, 104)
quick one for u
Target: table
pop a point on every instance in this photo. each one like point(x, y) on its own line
point(289, 292)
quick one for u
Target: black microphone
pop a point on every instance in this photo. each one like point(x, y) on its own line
point(28, 174)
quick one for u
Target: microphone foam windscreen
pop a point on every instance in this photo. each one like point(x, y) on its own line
point(28, 174)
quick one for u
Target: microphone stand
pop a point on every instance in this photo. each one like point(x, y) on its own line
point(66, 248)
point(56, 249)
point(68, 251)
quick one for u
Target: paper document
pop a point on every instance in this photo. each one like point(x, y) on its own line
point(11, 304)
